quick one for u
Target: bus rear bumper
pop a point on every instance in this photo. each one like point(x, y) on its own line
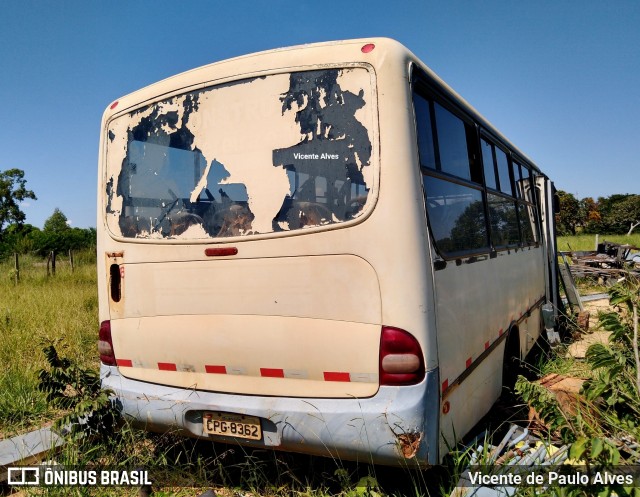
point(398, 426)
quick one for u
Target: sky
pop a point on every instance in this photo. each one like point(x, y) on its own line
point(559, 78)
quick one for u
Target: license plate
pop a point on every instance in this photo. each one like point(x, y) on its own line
point(232, 425)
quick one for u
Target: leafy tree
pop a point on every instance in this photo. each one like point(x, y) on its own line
point(58, 236)
point(590, 214)
point(12, 191)
point(569, 217)
point(619, 213)
point(629, 211)
point(63, 241)
point(57, 222)
point(17, 238)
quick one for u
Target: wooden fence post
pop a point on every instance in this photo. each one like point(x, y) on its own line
point(52, 259)
point(17, 267)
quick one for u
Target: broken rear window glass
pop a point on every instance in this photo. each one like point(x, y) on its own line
point(263, 155)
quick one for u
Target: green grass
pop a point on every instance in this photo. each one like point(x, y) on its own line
point(588, 242)
point(40, 310)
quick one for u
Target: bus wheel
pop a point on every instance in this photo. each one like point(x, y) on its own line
point(511, 364)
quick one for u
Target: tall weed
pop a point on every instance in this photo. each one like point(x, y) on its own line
point(603, 422)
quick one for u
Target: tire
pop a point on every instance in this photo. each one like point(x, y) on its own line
point(511, 363)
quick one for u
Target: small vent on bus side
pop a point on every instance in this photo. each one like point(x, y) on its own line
point(115, 282)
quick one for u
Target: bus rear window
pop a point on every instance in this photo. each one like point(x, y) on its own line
point(263, 155)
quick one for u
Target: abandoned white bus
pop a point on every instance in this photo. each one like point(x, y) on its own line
point(320, 249)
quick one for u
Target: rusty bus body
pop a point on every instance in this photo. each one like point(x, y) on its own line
point(320, 249)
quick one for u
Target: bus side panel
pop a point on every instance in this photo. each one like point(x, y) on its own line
point(476, 305)
point(470, 400)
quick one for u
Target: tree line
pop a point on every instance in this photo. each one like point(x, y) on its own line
point(18, 237)
point(617, 214)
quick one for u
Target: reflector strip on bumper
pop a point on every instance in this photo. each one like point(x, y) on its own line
point(272, 372)
point(167, 366)
point(343, 376)
point(215, 369)
point(336, 376)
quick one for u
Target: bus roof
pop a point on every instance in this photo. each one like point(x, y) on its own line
point(377, 49)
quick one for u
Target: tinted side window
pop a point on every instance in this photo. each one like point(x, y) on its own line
point(456, 215)
point(455, 200)
point(503, 172)
point(517, 178)
point(479, 197)
point(523, 183)
point(504, 221)
point(528, 225)
point(527, 211)
point(489, 168)
point(452, 144)
point(425, 132)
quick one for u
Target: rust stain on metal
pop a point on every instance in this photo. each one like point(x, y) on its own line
point(409, 444)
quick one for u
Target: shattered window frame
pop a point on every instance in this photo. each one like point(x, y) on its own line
point(331, 176)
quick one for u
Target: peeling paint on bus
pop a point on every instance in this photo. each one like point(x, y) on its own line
point(300, 158)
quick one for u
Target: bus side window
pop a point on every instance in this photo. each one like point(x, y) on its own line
point(452, 179)
point(489, 164)
point(504, 177)
point(456, 216)
point(426, 147)
point(452, 144)
point(503, 209)
point(526, 205)
point(504, 221)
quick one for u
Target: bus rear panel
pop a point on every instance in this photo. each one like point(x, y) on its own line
point(242, 278)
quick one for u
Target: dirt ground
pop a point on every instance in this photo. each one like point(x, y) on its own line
point(595, 335)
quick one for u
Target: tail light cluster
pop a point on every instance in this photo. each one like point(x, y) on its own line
point(401, 358)
point(105, 344)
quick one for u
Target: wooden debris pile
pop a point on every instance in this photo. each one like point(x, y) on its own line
point(610, 262)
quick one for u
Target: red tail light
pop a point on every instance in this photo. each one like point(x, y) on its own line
point(105, 345)
point(401, 358)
